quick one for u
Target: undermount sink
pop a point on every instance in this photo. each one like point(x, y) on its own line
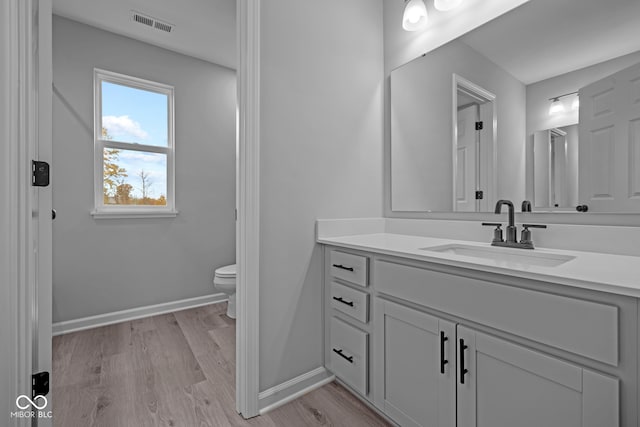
point(504, 256)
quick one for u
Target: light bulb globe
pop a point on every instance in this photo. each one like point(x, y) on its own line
point(556, 107)
point(415, 16)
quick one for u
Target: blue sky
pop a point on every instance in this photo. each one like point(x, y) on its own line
point(137, 116)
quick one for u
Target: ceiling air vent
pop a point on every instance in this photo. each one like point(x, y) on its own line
point(159, 25)
point(150, 21)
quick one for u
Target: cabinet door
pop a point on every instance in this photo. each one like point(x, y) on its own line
point(501, 384)
point(417, 356)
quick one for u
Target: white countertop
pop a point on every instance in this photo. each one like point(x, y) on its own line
point(618, 274)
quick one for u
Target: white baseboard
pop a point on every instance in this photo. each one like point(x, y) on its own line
point(289, 390)
point(90, 322)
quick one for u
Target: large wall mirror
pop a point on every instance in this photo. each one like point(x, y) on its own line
point(472, 121)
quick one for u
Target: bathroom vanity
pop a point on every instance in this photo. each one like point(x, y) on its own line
point(438, 332)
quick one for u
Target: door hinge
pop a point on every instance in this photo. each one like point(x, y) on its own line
point(479, 195)
point(479, 125)
point(39, 174)
point(39, 384)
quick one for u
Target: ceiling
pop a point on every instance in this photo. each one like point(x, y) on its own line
point(536, 41)
point(204, 29)
point(546, 38)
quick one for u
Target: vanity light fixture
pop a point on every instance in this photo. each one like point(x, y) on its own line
point(557, 106)
point(414, 17)
point(445, 5)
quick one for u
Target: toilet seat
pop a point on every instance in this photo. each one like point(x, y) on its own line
point(226, 272)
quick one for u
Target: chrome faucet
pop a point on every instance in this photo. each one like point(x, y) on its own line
point(512, 231)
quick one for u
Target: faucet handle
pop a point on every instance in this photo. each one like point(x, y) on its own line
point(497, 233)
point(526, 233)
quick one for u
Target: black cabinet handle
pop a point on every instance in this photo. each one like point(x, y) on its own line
point(342, 267)
point(443, 361)
point(463, 371)
point(339, 299)
point(341, 354)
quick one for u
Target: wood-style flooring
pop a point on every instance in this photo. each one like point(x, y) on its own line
point(175, 369)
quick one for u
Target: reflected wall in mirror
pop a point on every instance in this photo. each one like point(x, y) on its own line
point(554, 162)
point(423, 148)
point(538, 51)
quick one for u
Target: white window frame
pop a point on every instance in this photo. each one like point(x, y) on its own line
point(131, 211)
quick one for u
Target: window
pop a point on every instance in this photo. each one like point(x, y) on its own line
point(134, 147)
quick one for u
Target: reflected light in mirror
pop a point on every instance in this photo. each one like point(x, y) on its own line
point(415, 15)
point(576, 103)
point(445, 5)
point(556, 107)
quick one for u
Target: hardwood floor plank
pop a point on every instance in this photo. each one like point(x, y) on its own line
point(171, 354)
point(174, 370)
point(197, 323)
point(85, 362)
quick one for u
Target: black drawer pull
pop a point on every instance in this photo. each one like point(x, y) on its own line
point(339, 299)
point(443, 361)
point(463, 371)
point(342, 267)
point(341, 354)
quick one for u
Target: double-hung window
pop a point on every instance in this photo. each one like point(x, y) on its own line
point(134, 147)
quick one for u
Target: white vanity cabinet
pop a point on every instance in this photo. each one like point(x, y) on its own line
point(502, 384)
point(433, 372)
point(443, 347)
point(416, 379)
point(347, 325)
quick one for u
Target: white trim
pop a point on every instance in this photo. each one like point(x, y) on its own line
point(100, 209)
point(68, 326)
point(288, 391)
point(484, 94)
point(18, 129)
point(248, 205)
point(143, 213)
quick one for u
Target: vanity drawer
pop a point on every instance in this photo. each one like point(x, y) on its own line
point(578, 326)
point(349, 355)
point(350, 267)
point(350, 301)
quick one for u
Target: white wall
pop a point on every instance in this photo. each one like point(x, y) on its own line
point(538, 94)
point(425, 170)
point(101, 266)
point(321, 157)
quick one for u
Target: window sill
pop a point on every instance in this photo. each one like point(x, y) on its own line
point(133, 214)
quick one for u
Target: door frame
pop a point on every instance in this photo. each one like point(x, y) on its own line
point(20, 126)
point(483, 94)
point(15, 187)
point(248, 205)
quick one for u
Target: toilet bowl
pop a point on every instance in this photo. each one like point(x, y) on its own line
point(224, 280)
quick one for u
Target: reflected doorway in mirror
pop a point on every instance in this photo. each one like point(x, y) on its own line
point(473, 146)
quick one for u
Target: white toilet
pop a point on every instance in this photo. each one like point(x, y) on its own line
point(224, 280)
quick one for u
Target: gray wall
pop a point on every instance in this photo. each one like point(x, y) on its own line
point(321, 157)
point(102, 266)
